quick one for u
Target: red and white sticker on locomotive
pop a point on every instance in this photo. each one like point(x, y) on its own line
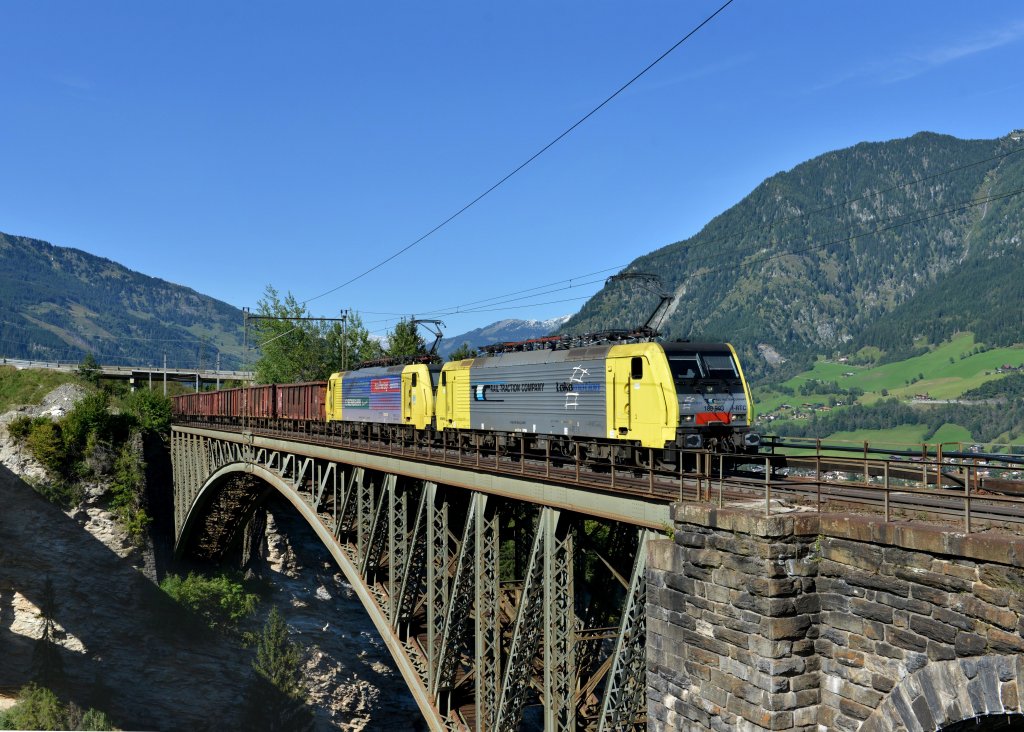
point(712, 418)
point(385, 386)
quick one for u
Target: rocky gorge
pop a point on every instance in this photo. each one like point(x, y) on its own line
point(130, 651)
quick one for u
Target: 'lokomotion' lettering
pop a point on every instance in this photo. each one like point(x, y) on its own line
point(577, 387)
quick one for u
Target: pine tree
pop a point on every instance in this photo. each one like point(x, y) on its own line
point(277, 658)
point(405, 340)
point(275, 699)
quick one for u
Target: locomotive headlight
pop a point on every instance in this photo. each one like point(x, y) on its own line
point(739, 416)
point(687, 417)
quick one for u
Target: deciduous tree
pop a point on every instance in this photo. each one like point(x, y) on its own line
point(293, 348)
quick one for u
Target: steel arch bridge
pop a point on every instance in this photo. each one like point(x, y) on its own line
point(499, 597)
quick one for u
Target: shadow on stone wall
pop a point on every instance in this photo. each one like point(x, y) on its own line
point(147, 663)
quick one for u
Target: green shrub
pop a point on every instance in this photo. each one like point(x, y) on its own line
point(39, 708)
point(47, 444)
point(19, 428)
point(128, 500)
point(221, 599)
point(63, 493)
point(89, 415)
point(151, 410)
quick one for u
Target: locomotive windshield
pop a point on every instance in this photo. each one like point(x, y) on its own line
point(720, 366)
point(689, 366)
point(685, 368)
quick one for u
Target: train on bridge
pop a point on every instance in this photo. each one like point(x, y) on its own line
point(592, 402)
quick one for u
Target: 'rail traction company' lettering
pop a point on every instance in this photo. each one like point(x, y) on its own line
point(515, 388)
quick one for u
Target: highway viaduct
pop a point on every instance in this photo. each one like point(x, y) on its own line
point(759, 615)
point(138, 375)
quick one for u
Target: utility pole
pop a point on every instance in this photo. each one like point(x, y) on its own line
point(245, 360)
point(218, 370)
point(165, 374)
point(344, 339)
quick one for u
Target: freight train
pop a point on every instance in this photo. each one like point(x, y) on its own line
point(596, 402)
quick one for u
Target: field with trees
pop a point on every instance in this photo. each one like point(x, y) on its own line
point(956, 391)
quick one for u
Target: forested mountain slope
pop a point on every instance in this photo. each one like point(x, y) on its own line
point(60, 304)
point(877, 244)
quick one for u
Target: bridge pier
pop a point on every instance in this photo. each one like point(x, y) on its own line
point(805, 622)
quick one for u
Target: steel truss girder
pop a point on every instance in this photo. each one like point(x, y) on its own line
point(460, 602)
point(487, 647)
point(529, 624)
point(414, 576)
point(625, 689)
point(560, 673)
point(492, 647)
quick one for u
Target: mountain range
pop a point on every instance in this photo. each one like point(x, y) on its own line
point(59, 304)
point(884, 245)
point(501, 332)
point(889, 244)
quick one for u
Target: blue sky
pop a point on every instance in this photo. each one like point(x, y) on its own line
point(226, 146)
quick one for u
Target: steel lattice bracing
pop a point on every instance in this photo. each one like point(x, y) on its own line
point(501, 610)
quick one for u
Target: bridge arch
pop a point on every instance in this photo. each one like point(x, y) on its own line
point(944, 694)
point(470, 578)
point(198, 510)
point(217, 481)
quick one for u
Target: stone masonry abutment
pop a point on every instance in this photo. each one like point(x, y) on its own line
point(830, 622)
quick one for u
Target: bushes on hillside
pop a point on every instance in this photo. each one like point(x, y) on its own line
point(39, 708)
point(95, 440)
point(127, 489)
point(149, 410)
point(221, 600)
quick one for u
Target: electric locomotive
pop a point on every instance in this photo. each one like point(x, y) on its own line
point(596, 401)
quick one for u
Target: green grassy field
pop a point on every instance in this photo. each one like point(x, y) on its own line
point(946, 372)
point(905, 437)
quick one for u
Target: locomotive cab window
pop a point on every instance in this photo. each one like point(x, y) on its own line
point(720, 366)
point(684, 368)
point(414, 378)
point(636, 368)
point(444, 378)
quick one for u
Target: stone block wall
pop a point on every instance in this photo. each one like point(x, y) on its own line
point(732, 614)
point(888, 612)
point(805, 622)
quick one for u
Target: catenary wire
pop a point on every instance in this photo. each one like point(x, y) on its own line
point(466, 307)
point(895, 222)
point(529, 160)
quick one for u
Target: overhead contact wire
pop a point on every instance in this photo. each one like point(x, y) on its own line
point(533, 157)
